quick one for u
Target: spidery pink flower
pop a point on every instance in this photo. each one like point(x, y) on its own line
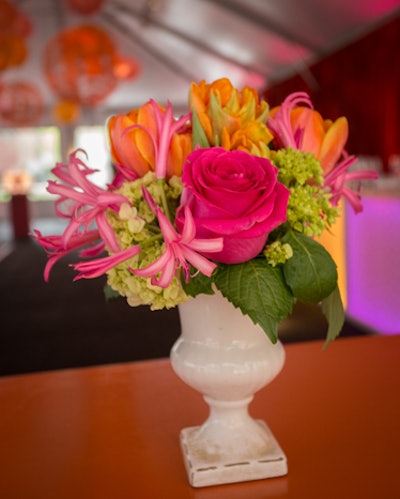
point(167, 127)
point(280, 122)
point(84, 204)
point(56, 249)
point(98, 267)
point(85, 201)
point(297, 125)
point(181, 249)
point(161, 148)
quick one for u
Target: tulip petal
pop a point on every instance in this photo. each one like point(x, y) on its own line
point(333, 144)
point(311, 125)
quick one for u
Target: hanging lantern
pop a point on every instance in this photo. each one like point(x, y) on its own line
point(66, 111)
point(22, 25)
point(14, 28)
point(21, 103)
point(78, 65)
point(13, 21)
point(125, 68)
point(8, 16)
point(85, 7)
point(13, 51)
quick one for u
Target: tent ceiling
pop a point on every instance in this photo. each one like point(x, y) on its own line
point(253, 42)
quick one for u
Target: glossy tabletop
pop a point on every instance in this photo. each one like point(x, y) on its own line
point(112, 432)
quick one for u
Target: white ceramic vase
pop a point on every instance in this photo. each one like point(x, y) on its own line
point(227, 358)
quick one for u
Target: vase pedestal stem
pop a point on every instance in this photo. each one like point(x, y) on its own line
point(230, 447)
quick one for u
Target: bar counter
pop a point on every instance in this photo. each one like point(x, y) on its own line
point(112, 432)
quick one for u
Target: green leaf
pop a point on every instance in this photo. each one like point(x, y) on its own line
point(199, 136)
point(110, 293)
point(197, 285)
point(259, 291)
point(332, 307)
point(311, 273)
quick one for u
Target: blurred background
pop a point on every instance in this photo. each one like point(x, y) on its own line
point(67, 65)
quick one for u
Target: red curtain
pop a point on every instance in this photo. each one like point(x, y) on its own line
point(361, 82)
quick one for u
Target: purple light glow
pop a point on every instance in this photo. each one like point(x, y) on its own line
point(373, 264)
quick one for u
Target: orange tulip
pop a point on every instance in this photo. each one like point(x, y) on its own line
point(135, 139)
point(230, 118)
point(301, 127)
point(324, 138)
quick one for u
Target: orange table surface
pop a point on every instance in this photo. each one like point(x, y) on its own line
point(112, 431)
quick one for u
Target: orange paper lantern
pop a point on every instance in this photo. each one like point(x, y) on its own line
point(125, 68)
point(85, 6)
point(78, 65)
point(66, 111)
point(13, 50)
point(8, 16)
point(14, 28)
point(20, 103)
point(13, 21)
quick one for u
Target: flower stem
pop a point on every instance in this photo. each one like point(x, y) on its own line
point(150, 240)
point(164, 202)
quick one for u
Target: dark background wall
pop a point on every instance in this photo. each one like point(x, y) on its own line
point(361, 82)
point(65, 324)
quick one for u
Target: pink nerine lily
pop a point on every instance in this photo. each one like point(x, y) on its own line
point(149, 139)
point(167, 127)
point(336, 180)
point(280, 121)
point(56, 249)
point(90, 269)
point(180, 249)
point(86, 201)
point(98, 267)
point(297, 125)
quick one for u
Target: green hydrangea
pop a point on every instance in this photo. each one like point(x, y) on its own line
point(277, 253)
point(309, 208)
point(137, 224)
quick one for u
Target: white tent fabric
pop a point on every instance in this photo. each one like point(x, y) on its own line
point(253, 42)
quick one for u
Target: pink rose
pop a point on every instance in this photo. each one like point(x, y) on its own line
point(233, 195)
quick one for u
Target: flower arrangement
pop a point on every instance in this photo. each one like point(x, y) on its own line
point(228, 197)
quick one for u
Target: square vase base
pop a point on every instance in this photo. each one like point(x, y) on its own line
point(202, 474)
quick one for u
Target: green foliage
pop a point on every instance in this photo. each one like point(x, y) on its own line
point(309, 209)
point(298, 167)
point(267, 293)
point(110, 293)
point(258, 290)
point(332, 307)
point(310, 273)
point(199, 284)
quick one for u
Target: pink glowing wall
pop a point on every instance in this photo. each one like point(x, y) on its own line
point(373, 263)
